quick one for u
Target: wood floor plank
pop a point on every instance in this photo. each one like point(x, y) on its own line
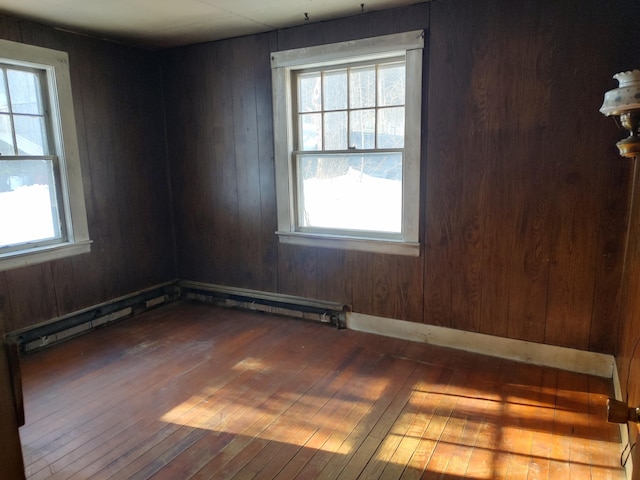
point(434, 417)
point(294, 428)
point(196, 391)
point(186, 430)
point(139, 407)
point(280, 408)
point(377, 425)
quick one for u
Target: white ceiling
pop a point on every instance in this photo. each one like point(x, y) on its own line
point(167, 23)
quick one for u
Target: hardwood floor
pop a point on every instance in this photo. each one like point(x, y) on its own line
point(195, 391)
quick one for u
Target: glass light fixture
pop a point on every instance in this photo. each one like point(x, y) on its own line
point(624, 102)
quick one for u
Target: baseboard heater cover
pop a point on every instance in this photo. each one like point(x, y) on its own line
point(67, 326)
point(271, 303)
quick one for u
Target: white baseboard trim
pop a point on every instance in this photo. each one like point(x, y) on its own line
point(570, 359)
point(624, 427)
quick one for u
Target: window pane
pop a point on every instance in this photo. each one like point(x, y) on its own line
point(309, 92)
point(31, 135)
point(351, 192)
point(335, 90)
point(335, 131)
point(4, 99)
point(310, 131)
point(391, 85)
point(28, 207)
point(362, 126)
point(24, 89)
point(391, 127)
point(362, 87)
point(6, 137)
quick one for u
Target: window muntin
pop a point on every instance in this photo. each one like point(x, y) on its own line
point(337, 105)
point(355, 107)
point(42, 208)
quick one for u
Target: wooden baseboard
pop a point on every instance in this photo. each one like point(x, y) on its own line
point(570, 359)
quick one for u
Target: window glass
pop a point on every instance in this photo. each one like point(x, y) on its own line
point(6, 135)
point(352, 192)
point(335, 131)
point(28, 202)
point(309, 93)
point(24, 88)
point(362, 133)
point(362, 87)
point(391, 85)
point(390, 127)
point(31, 135)
point(334, 86)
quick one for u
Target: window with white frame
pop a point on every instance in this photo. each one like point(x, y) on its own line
point(347, 126)
point(42, 210)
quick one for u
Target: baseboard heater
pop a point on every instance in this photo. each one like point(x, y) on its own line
point(67, 326)
point(272, 303)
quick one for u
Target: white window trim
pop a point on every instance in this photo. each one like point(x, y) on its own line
point(56, 64)
point(409, 44)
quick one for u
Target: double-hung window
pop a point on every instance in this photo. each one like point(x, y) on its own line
point(42, 210)
point(347, 126)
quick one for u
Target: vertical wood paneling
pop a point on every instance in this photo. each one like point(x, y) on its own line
point(582, 176)
point(248, 52)
point(226, 202)
point(297, 271)
point(191, 95)
point(522, 212)
point(452, 247)
point(334, 275)
point(268, 242)
point(604, 323)
point(10, 29)
point(31, 296)
point(518, 194)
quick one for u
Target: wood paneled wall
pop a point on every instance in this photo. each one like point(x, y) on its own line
point(120, 122)
point(525, 198)
point(525, 194)
point(525, 201)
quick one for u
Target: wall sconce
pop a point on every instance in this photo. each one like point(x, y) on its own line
point(619, 412)
point(624, 102)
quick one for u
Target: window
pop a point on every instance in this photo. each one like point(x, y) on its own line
point(42, 211)
point(347, 124)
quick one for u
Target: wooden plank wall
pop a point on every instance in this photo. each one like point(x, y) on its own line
point(525, 198)
point(119, 116)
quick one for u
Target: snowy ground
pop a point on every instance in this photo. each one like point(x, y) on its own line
point(354, 201)
point(25, 215)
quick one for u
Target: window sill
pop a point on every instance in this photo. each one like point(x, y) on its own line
point(33, 256)
point(391, 247)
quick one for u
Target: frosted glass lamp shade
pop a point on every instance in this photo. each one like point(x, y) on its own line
point(624, 98)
